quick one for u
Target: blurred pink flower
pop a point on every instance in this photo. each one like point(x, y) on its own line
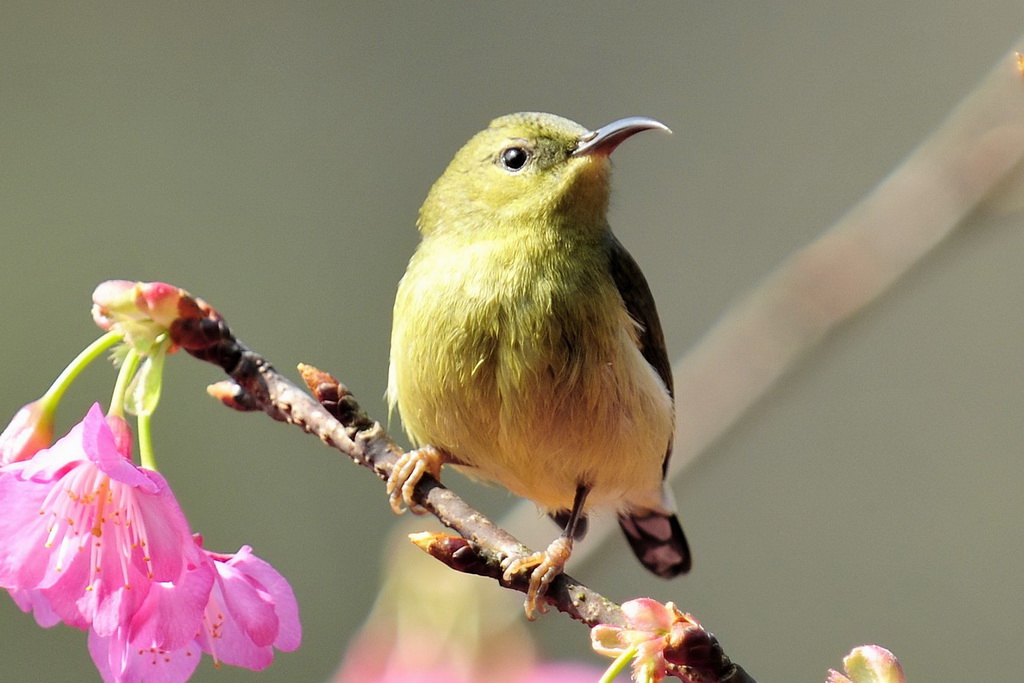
point(411, 672)
point(561, 672)
point(29, 431)
point(433, 625)
point(88, 531)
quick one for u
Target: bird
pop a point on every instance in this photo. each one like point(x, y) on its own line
point(526, 349)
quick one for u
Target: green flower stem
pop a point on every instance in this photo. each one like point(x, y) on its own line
point(149, 379)
point(147, 458)
point(620, 663)
point(137, 391)
point(68, 375)
point(128, 369)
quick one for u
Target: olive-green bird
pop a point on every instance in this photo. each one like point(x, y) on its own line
point(526, 347)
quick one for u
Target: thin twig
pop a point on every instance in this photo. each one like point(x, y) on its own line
point(336, 418)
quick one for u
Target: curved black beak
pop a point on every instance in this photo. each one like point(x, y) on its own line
point(605, 139)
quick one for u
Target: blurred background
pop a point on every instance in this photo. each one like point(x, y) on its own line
point(271, 158)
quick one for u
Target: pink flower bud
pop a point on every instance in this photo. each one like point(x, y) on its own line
point(30, 431)
point(139, 311)
point(869, 664)
point(653, 631)
point(143, 312)
point(111, 299)
point(122, 435)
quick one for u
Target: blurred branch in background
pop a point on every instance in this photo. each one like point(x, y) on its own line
point(971, 163)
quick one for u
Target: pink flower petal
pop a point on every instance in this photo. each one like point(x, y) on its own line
point(252, 609)
point(119, 662)
point(645, 614)
point(36, 602)
point(172, 613)
point(276, 587)
point(101, 447)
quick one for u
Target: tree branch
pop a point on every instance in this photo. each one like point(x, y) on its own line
point(336, 418)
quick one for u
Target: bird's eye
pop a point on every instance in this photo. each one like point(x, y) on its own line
point(514, 158)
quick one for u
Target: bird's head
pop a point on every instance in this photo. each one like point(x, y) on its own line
point(528, 169)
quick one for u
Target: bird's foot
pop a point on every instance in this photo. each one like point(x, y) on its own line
point(543, 568)
point(409, 469)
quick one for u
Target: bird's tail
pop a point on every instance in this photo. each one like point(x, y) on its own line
point(657, 539)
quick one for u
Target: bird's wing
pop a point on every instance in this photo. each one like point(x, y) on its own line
point(636, 295)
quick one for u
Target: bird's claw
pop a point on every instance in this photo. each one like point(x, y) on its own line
point(543, 567)
point(406, 474)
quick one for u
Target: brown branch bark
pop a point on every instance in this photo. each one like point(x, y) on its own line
point(336, 418)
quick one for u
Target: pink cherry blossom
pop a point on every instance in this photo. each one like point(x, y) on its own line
point(88, 531)
point(251, 611)
point(247, 612)
point(90, 539)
